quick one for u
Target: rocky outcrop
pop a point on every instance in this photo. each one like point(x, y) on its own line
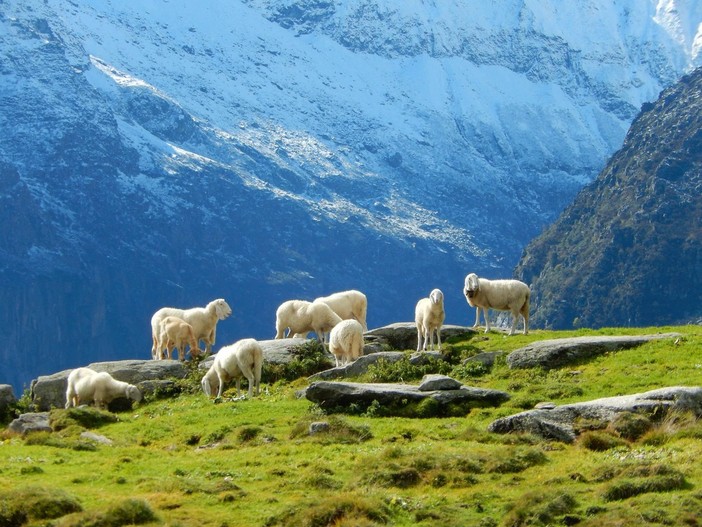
point(7, 399)
point(562, 423)
point(31, 422)
point(402, 399)
point(555, 353)
point(403, 335)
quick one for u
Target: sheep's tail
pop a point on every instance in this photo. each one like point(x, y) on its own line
point(257, 368)
point(525, 306)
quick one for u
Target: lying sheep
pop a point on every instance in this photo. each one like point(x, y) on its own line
point(202, 319)
point(98, 387)
point(176, 333)
point(242, 359)
point(301, 317)
point(348, 305)
point(503, 295)
point(429, 317)
point(346, 341)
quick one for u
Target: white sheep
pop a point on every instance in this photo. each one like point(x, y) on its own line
point(350, 304)
point(98, 387)
point(503, 295)
point(175, 333)
point(429, 317)
point(202, 319)
point(244, 358)
point(346, 341)
point(301, 317)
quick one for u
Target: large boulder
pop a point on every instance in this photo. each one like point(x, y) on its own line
point(559, 422)
point(400, 399)
point(49, 391)
point(562, 352)
point(31, 422)
point(7, 399)
point(403, 335)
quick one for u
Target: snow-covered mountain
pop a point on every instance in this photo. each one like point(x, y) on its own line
point(167, 153)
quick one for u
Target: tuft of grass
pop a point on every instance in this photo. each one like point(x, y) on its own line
point(84, 416)
point(345, 509)
point(630, 425)
point(308, 358)
point(515, 460)
point(35, 503)
point(541, 508)
point(643, 479)
point(127, 512)
point(599, 441)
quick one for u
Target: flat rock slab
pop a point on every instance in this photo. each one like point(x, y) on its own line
point(403, 335)
point(337, 396)
point(31, 422)
point(559, 422)
point(556, 353)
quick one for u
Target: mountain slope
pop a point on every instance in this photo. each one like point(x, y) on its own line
point(628, 251)
point(157, 154)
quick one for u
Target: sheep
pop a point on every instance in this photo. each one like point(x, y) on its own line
point(346, 341)
point(175, 333)
point(503, 295)
point(302, 317)
point(429, 317)
point(244, 358)
point(98, 387)
point(350, 304)
point(202, 319)
point(73, 378)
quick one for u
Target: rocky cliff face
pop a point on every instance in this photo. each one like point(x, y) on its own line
point(261, 150)
point(628, 251)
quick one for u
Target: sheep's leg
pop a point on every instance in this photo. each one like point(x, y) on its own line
point(477, 317)
point(429, 339)
point(515, 317)
point(486, 314)
point(221, 385)
point(438, 337)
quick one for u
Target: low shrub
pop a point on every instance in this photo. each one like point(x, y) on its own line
point(308, 358)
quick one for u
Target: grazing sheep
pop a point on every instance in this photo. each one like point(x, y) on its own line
point(100, 388)
point(346, 341)
point(503, 295)
point(301, 317)
point(429, 316)
point(244, 358)
point(202, 319)
point(176, 333)
point(73, 378)
point(350, 304)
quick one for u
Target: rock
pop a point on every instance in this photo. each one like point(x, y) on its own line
point(7, 399)
point(559, 422)
point(318, 427)
point(433, 382)
point(97, 438)
point(487, 358)
point(561, 352)
point(357, 367)
point(50, 390)
point(31, 422)
point(395, 397)
point(403, 335)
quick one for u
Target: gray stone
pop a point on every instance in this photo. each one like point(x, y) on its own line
point(558, 422)
point(50, 390)
point(433, 382)
point(338, 395)
point(7, 398)
point(97, 438)
point(403, 335)
point(357, 367)
point(318, 427)
point(31, 422)
point(561, 352)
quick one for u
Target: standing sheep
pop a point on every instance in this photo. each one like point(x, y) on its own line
point(503, 295)
point(350, 304)
point(429, 317)
point(176, 333)
point(301, 317)
point(244, 358)
point(346, 341)
point(98, 387)
point(202, 319)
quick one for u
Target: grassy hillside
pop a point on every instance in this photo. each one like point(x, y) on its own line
point(185, 461)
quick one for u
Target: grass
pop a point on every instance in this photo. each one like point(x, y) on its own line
point(184, 461)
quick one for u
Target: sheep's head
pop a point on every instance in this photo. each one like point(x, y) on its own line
point(221, 308)
point(472, 285)
point(134, 393)
point(210, 383)
point(436, 296)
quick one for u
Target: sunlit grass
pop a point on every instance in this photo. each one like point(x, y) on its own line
point(254, 463)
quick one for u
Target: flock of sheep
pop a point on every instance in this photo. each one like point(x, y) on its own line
point(338, 319)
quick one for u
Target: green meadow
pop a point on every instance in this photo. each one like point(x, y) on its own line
point(184, 460)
